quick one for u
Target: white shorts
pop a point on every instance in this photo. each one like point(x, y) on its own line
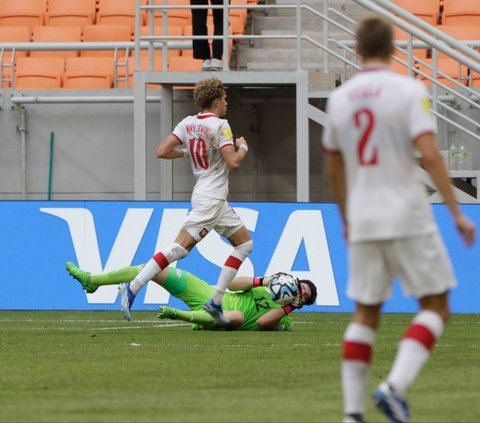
point(421, 263)
point(209, 213)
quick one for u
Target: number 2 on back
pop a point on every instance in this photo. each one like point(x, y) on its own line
point(364, 120)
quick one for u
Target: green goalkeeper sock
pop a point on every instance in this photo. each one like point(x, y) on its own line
point(199, 317)
point(125, 274)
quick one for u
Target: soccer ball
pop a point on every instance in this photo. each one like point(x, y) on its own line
point(283, 289)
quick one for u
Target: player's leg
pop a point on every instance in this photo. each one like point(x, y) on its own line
point(243, 245)
point(173, 252)
point(426, 273)
point(418, 342)
point(201, 317)
point(194, 292)
point(91, 282)
point(369, 285)
point(358, 344)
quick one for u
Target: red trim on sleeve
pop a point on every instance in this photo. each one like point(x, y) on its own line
point(233, 262)
point(357, 351)
point(161, 260)
point(176, 136)
point(421, 134)
point(421, 334)
point(227, 145)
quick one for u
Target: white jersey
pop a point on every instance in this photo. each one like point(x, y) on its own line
point(205, 135)
point(374, 120)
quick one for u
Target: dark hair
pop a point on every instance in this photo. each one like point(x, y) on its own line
point(374, 38)
point(313, 290)
point(206, 91)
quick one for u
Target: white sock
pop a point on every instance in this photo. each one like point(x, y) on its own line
point(357, 355)
point(414, 350)
point(156, 264)
point(230, 269)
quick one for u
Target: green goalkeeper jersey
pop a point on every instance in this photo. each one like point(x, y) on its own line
point(253, 303)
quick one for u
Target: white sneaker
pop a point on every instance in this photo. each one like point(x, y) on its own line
point(207, 65)
point(216, 65)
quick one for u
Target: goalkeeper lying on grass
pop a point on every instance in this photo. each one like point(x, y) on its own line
point(249, 309)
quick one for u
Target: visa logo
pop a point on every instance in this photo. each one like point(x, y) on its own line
point(303, 227)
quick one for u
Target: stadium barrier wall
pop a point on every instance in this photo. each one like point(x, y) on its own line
point(38, 237)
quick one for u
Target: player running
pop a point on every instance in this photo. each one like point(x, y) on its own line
point(207, 140)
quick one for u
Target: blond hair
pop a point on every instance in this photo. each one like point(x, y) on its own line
point(206, 91)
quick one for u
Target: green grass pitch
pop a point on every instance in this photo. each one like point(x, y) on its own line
point(79, 366)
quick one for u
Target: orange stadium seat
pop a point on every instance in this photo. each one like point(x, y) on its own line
point(29, 13)
point(144, 65)
point(52, 34)
point(400, 35)
point(118, 12)
point(13, 34)
point(461, 12)
point(185, 64)
point(451, 68)
point(428, 10)
point(462, 32)
point(210, 29)
point(105, 33)
point(176, 17)
point(70, 12)
point(83, 73)
point(39, 73)
point(158, 30)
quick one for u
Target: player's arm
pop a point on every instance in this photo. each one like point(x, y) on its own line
point(271, 319)
point(168, 149)
point(243, 283)
point(233, 156)
point(433, 163)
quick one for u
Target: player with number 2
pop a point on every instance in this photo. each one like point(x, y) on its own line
point(376, 120)
point(208, 141)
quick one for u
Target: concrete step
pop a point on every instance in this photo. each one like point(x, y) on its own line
point(352, 10)
point(287, 43)
point(285, 23)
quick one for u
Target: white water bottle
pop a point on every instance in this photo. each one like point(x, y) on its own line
point(453, 157)
point(461, 157)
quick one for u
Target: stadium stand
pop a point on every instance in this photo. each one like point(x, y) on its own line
point(184, 64)
point(88, 73)
point(144, 65)
point(39, 73)
point(461, 12)
point(29, 13)
point(15, 34)
point(158, 30)
point(118, 12)
point(176, 17)
point(71, 12)
point(428, 10)
point(51, 34)
point(105, 33)
point(449, 67)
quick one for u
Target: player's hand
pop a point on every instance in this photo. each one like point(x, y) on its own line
point(267, 280)
point(466, 228)
point(241, 141)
